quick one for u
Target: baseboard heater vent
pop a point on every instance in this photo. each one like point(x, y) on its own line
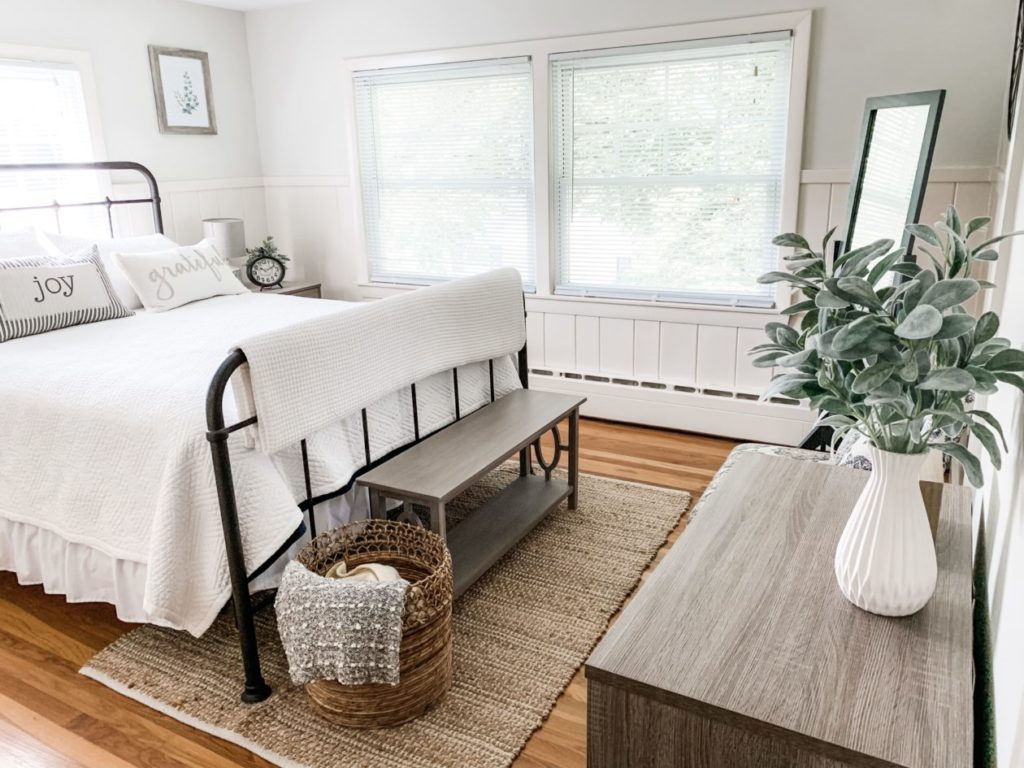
point(659, 385)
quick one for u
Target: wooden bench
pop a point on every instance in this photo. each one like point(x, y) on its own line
point(442, 466)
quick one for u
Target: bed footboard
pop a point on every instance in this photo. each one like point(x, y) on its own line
point(255, 686)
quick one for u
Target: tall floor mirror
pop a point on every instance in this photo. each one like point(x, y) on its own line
point(895, 156)
point(897, 141)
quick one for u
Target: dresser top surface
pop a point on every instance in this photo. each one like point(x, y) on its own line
point(744, 617)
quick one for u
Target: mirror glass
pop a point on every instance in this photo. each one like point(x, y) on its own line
point(897, 138)
point(893, 155)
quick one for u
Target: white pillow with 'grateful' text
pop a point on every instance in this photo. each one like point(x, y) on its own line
point(168, 279)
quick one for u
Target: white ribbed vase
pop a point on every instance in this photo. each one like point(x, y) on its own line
point(885, 561)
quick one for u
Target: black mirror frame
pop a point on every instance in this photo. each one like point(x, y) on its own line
point(934, 101)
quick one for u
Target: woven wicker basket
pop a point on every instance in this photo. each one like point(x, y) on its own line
point(425, 662)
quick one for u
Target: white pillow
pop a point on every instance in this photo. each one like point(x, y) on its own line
point(44, 293)
point(167, 279)
point(15, 245)
point(68, 244)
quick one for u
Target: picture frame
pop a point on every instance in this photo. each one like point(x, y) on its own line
point(183, 105)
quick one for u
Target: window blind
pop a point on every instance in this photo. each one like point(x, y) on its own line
point(446, 168)
point(44, 120)
point(668, 167)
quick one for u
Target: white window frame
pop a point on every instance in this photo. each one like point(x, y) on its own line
point(82, 61)
point(527, 182)
point(798, 23)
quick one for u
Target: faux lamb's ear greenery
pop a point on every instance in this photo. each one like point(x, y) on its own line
point(894, 359)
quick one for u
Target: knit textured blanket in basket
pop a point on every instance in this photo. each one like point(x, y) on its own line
point(339, 629)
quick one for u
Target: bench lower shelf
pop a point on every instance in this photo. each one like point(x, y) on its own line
point(481, 539)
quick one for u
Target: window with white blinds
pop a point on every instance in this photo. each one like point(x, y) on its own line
point(668, 169)
point(446, 168)
point(43, 119)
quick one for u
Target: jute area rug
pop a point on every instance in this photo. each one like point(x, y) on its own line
point(521, 632)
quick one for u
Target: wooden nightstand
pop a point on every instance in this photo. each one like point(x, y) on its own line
point(305, 288)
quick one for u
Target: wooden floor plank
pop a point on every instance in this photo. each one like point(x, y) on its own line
point(52, 687)
point(22, 624)
point(52, 717)
point(63, 746)
point(26, 748)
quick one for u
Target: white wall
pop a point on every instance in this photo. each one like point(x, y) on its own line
point(116, 33)
point(1002, 500)
point(859, 49)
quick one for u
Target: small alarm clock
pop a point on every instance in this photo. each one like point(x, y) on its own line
point(265, 264)
point(266, 272)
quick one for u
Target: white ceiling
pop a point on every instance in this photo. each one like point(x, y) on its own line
point(246, 5)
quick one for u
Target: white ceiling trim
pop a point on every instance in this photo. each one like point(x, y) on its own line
point(246, 5)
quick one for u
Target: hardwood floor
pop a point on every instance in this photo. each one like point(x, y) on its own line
point(51, 716)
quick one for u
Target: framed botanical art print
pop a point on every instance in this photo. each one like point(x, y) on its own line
point(181, 85)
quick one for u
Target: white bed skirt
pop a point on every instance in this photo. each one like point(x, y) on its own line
point(85, 575)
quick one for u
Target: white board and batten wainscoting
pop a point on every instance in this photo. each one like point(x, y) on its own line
point(186, 203)
point(683, 371)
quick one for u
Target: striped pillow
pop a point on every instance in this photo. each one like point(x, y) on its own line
point(44, 293)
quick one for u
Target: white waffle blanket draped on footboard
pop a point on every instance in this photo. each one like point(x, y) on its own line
point(303, 377)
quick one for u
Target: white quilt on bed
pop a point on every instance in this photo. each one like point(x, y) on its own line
point(103, 442)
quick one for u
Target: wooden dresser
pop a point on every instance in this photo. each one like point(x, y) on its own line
point(739, 650)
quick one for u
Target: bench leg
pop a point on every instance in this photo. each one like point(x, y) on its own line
point(574, 456)
point(378, 509)
point(525, 464)
point(437, 521)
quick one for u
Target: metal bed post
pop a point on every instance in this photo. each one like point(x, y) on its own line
point(525, 465)
point(256, 688)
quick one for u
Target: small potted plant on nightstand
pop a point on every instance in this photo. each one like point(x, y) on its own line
point(265, 264)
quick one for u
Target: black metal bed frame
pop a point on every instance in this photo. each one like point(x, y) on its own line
point(255, 687)
point(106, 202)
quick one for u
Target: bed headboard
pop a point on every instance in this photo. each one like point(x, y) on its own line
point(114, 165)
